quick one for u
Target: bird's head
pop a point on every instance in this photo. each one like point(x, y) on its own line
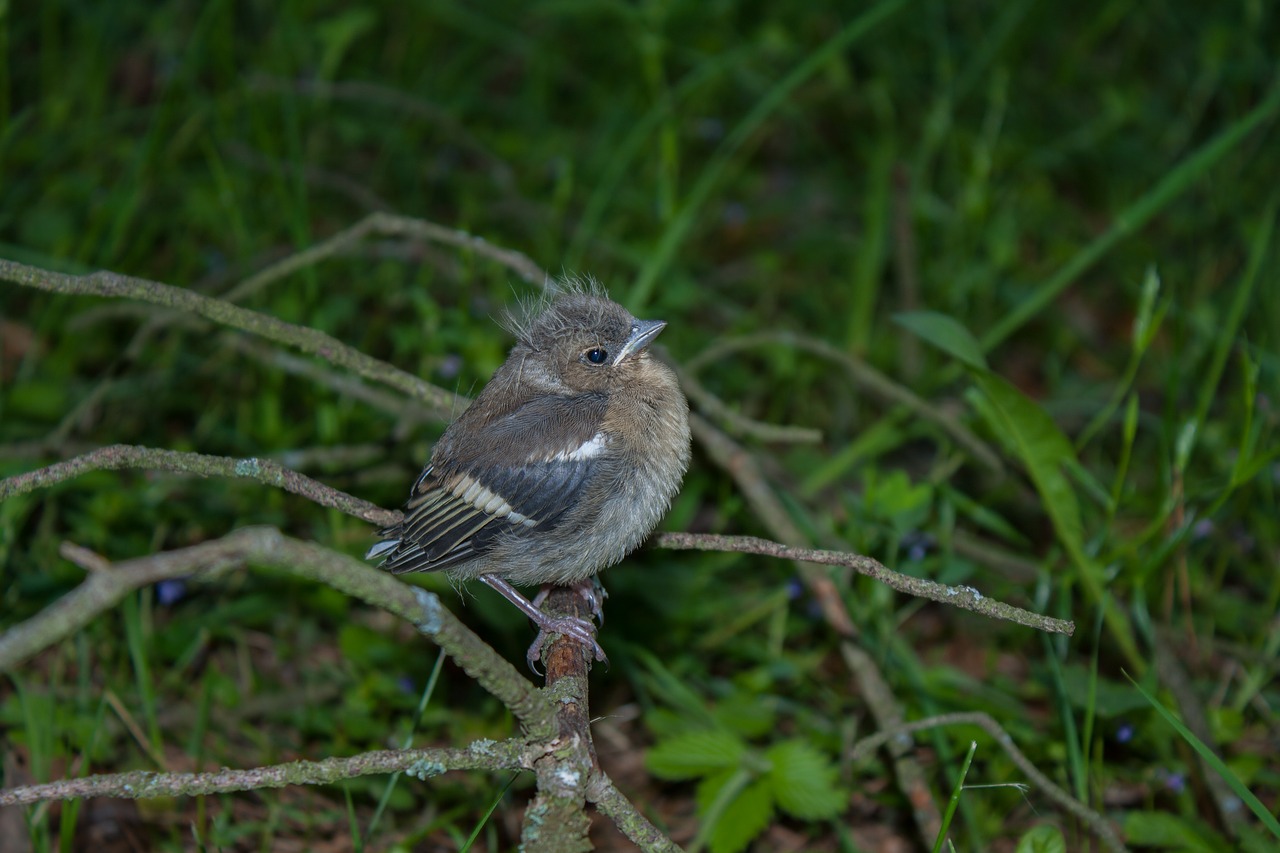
point(586, 343)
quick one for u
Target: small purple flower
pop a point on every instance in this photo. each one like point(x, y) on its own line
point(170, 591)
point(1125, 733)
point(1175, 782)
point(405, 683)
point(918, 545)
point(450, 366)
point(795, 588)
point(1202, 529)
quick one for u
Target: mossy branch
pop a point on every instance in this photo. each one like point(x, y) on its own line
point(220, 311)
point(142, 784)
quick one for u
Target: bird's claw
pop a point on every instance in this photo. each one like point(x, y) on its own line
point(574, 627)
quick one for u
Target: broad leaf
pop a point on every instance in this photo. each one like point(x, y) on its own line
point(697, 753)
point(804, 781)
point(946, 334)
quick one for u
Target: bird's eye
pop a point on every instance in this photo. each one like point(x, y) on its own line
point(597, 355)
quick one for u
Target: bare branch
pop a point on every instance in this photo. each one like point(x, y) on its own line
point(274, 474)
point(390, 225)
point(266, 546)
point(964, 597)
point(865, 377)
point(1096, 822)
point(143, 785)
point(611, 803)
point(263, 471)
point(306, 339)
point(556, 820)
point(739, 424)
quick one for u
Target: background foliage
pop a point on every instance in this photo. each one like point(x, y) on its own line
point(1045, 175)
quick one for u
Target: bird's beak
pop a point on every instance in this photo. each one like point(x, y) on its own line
point(642, 334)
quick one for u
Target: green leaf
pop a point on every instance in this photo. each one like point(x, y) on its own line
point(804, 781)
point(1029, 432)
point(946, 334)
point(692, 754)
point(746, 713)
point(1042, 839)
point(1170, 832)
point(1211, 758)
point(744, 818)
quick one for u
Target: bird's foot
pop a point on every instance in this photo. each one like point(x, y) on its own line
point(590, 590)
point(576, 627)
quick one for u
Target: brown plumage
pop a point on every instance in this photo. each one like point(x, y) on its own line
point(561, 466)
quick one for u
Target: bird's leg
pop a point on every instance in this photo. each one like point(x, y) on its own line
point(571, 626)
point(590, 590)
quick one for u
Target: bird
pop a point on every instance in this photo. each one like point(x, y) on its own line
point(561, 466)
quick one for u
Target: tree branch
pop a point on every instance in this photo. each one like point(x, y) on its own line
point(265, 471)
point(308, 340)
point(865, 377)
point(266, 546)
point(142, 784)
point(964, 597)
point(274, 474)
point(1097, 823)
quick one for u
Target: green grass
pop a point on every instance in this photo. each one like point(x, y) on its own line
point(1089, 195)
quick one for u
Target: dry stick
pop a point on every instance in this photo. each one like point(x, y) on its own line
point(964, 597)
point(271, 473)
point(610, 802)
point(305, 339)
point(141, 785)
point(392, 226)
point(557, 820)
point(1100, 826)
point(746, 472)
point(571, 774)
point(407, 413)
point(884, 708)
point(263, 471)
point(559, 750)
point(266, 546)
point(865, 377)
point(736, 423)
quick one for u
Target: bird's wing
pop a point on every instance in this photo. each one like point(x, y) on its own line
point(521, 474)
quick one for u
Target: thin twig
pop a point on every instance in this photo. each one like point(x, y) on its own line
point(1099, 825)
point(266, 546)
point(144, 785)
point(220, 311)
point(887, 712)
point(738, 424)
point(746, 472)
point(865, 377)
point(751, 481)
point(964, 597)
point(273, 473)
point(390, 225)
point(264, 471)
point(610, 802)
